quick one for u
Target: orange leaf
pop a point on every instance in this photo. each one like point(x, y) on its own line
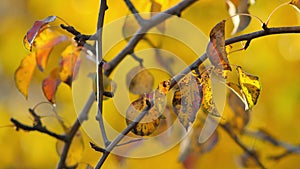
point(44, 44)
point(23, 74)
point(69, 64)
point(50, 85)
point(34, 31)
point(216, 47)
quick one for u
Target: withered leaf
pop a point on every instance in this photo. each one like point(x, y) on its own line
point(187, 99)
point(240, 22)
point(34, 31)
point(24, 73)
point(216, 50)
point(50, 85)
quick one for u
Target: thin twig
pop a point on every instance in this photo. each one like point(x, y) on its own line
point(37, 127)
point(241, 145)
point(103, 7)
point(74, 129)
point(135, 12)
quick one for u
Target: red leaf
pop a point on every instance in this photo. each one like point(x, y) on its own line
point(50, 85)
point(35, 29)
point(69, 64)
point(23, 74)
point(216, 47)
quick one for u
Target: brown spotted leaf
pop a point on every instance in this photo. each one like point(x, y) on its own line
point(69, 64)
point(216, 50)
point(139, 80)
point(187, 99)
point(50, 85)
point(152, 119)
point(23, 74)
point(234, 7)
point(34, 31)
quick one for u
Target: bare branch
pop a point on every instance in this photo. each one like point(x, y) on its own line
point(135, 12)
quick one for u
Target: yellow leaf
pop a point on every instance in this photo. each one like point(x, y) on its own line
point(23, 74)
point(250, 87)
point(208, 104)
point(187, 99)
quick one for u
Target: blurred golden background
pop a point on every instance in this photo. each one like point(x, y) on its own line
point(275, 59)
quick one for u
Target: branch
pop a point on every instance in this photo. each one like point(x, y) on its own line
point(135, 12)
point(241, 145)
point(99, 117)
point(115, 142)
point(37, 127)
point(265, 136)
point(74, 129)
point(156, 19)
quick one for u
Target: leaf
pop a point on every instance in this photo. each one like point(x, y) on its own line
point(152, 119)
point(208, 104)
point(69, 64)
point(215, 50)
point(34, 31)
point(44, 44)
point(24, 73)
point(129, 27)
point(296, 4)
point(187, 99)
point(247, 161)
point(250, 87)
point(75, 152)
point(240, 22)
point(139, 80)
point(191, 149)
point(50, 84)
point(241, 116)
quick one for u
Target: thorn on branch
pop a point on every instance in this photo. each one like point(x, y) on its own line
point(108, 94)
point(265, 27)
point(97, 148)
